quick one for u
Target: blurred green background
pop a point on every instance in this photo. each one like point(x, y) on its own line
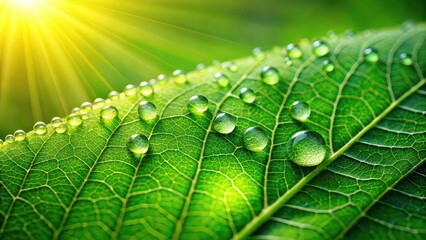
point(70, 51)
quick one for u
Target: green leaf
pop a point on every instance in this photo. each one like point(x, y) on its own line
point(195, 183)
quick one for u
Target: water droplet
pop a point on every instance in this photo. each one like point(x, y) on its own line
point(200, 66)
point(221, 79)
point(198, 104)
point(349, 33)
point(306, 148)
point(147, 110)
point(86, 107)
point(231, 66)
point(179, 76)
point(138, 144)
point(320, 48)
point(270, 75)
point(109, 112)
point(9, 138)
point(294, 51)
point(406, 59)
point(328, 66)
point(1, 142)
point(288, 62)
point(75, 110)
point(40, 128)
point(75, 119)
point(300, 111)
point(99, 102)
point(371, 55)
point(247, 95)
point(56, 121)
point(61, 128)
point(130, 90)
point(224, 123)
point(145, 89)
point(20, 135)
point(258, 53)
point(161, 77)
point(331, 34)
point(408, 25)
point(114, 95)
point(255, 139)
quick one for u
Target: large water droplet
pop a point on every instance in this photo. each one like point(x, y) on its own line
point(255, 139)
point(130, 90)
point(61, 128)
point(221, 79)
point(99, 102)
point(109, 112)
point(258, 53)
point(20, 135)
point(86, 107)
point(145, 88)
point(114, 95)
point(328, 66)
point(138, 144)
point(320, 48)
point(294, 51)
point(247, 95)
point(179, 76)
point(198, 104)
point(9, 138)
point(300, 111)
point(406, 59)
point(270, 75)
point(75, 119)
point(57, 121)
point(306, 148)
point(224, 123)
point(371, 55)
point(147, 110)
point(40, 128)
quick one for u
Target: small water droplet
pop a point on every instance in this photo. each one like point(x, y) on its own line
point(320, 48)
point(75, 110)
point(371, 55)
point(9, 138)
point(331, 34)
point(147, 110)
point(300, 111)
point(40, 128)
point(61, 128)
point(198, 104)
point(328, 66)
point(75, 119)
point(406, 59)
point(145, 89)
point(114, 95)
point(86, 107)
point(349, 33)
point(288, 62)
point(99, 102)
point(109, 112)
point(247, 95)
point(1, 142)
point(231, 66)
point(255, 139)
point(179, 76)
point(224, 123)
point(294, 51)
point(408, 25)
point(130, 90)
point(56, 121)
point(258, 53)
point(161, 77)
point(270, 75)
point(221, 79)
point(306, 148)
point(20, 135)
point(200, 66)
point(138, 143)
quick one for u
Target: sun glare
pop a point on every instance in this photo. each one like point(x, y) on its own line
point(27, 4)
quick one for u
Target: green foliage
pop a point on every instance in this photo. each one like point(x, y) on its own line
point(195, 183)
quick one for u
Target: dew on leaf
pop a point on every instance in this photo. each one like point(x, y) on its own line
point(198, 104)
point(9, 138)
point(320, 48)
point(406, 59)
point(221, 79)
point(138, 143)
point(270, 75)
point(306, 148)
point(147, 110)
point(57, 121)
point(109, 112)
point(200, 66)
point(258, 53)
point(20, 135)
point(75, 110)
point(288, 62)
point(99, 102)
point(114, 95)
point(371, 55)
point(75, 119)
point(1, 142)
point(145, 89)
point(224, 123)
point(179, 76)
point(294, 51)
point(231, 66)
point(130, 90)
point(327, 65)
point(255, 139)
point(247, 95)
point(40, 128)
point(61, 128)
point(300, 111)
point(86, 107)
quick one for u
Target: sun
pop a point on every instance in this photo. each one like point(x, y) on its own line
point(27, 4)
